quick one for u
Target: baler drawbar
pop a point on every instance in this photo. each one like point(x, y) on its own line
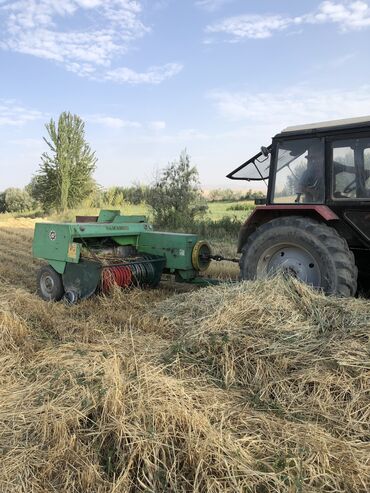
point(98, 252)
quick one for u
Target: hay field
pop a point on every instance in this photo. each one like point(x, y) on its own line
point(253, 387)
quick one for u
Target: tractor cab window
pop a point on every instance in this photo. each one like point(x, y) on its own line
point(351, 169)
point(300, 172)
point(255, 169)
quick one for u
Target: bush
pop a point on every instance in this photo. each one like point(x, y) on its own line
point(175, 198)
point(223, 195)
point(15, 200)
point(227, 195)
point(118, 196)
point(136, 194)
point(225, 228)
point(252, 195)
point(112, 196)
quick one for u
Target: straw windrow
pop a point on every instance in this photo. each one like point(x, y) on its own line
point(252, 387)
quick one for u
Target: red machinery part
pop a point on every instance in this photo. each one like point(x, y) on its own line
point(119, 275)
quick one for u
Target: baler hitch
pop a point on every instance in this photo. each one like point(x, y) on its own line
point(220, 258)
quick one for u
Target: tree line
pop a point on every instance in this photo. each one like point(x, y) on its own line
point(64, 180)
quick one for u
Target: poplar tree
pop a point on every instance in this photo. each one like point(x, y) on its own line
point(64, 178)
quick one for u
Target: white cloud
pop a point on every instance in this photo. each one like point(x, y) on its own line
point(250, 26)
point(154, 75)
point(111, 121)
point(14, 114)
point(348, 15)
point(211, 5)
point(34, 27)
point(292, 106)
point(103, 31)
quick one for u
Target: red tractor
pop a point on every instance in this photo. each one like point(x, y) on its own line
point(315, 221)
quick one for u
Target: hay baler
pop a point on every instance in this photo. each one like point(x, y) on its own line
point(98, 252)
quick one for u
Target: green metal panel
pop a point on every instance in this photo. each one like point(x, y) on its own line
point(175, 247)
point(107, 216)
point(107, 230)
point(63, 242)
point(126, 240)
point(114, 216)
point(55, 242)
point(58, 265)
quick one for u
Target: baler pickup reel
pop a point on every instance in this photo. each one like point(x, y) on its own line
point(96, 253)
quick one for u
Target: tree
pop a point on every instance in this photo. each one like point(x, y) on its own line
point(136, 194)
point(175, 198)
point(33, 189)
point(113, 196)
point(64, 178)
point(222, 194)
point(2, 202)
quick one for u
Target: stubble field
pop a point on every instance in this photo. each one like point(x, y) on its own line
point(251, 387)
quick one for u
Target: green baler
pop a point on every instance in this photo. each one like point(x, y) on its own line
point(98, 252)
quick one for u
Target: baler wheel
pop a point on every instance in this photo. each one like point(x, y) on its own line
point(302, 248)
point(49, 284)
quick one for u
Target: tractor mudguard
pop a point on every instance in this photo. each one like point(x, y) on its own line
point(264, 213)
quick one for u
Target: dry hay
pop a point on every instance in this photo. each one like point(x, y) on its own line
point(288, 352)
point(239, 388)
point(100, 418)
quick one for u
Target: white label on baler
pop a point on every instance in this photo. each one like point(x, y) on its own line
point(182, 253)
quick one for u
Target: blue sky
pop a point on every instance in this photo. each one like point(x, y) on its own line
point(151, 77)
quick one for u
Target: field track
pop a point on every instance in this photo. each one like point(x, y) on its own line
point(253, 387)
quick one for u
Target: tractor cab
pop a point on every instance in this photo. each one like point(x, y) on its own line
point(318, 164)
point(315, 174)
point(298, 174)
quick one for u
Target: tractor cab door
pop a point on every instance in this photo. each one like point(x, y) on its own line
point(299, 171)
point(256, 168)
point(350, 184)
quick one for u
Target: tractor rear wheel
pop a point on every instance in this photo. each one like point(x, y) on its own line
point(49, 284)
point(303, 248)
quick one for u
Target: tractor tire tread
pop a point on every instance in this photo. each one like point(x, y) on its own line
point(336, 246)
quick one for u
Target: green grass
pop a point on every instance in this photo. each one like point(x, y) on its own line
point(216, 211)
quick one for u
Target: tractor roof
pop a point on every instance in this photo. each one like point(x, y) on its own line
point(362, 121)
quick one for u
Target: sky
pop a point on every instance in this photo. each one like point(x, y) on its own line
point(153, 77)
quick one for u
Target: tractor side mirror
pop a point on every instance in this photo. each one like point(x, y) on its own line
point(265, 151)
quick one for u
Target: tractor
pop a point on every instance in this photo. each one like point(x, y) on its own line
point(315, 221)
